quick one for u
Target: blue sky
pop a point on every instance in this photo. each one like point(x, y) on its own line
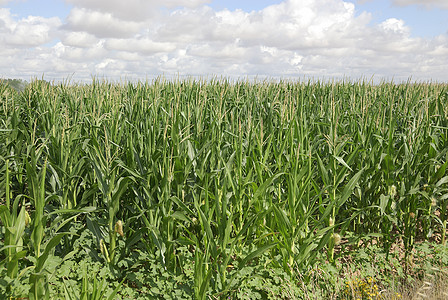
point(423, 21)
point(44, 8)
point(272, 38)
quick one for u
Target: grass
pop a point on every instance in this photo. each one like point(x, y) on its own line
point(219, 189)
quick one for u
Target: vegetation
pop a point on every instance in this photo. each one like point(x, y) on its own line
point(17, 84)
point(218, 189)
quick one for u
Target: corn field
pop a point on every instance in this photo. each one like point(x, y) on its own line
point(211, 175)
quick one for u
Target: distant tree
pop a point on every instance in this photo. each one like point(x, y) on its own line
point(17, 84)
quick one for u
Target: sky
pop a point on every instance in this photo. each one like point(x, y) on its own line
point(120, 40)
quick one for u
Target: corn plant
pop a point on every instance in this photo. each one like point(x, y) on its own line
point(91, 289)
point(112, 188)
point(234, 172)
point(14, 222)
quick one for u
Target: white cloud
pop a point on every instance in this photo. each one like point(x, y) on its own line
point(133, 10)
point(392, 36)
point(75, 54)
point(427, 3)
point(224, 52)
point(294, 38)
point(140, 45)
point(290, 25)
point(439, 47)
point(79, 39)
point(395, 26)
point(100, 24)
point(27, 32)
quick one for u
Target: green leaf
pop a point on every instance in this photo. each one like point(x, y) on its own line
point(180, 216)
point(348, 189)
point(208, 232)
point(342, 162)
point(5, 216)
point(256, 253)
point(96, 229)
point(54, 241)
point(263, 187)
point(442, 181)
point(115, 291)
point(120, 188)
point(323, 171)
point(282, 221)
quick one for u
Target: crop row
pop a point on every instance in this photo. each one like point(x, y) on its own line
point(230, 171)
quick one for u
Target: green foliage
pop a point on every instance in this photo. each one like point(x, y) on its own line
point(17, 84)
point(212, 188)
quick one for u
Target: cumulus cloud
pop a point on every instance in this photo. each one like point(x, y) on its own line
point(134, 10)
point(427, 3)
point(79, 39)
point(100, 24)
point(76, 54)
point(140, 45)
point(27, 32)
point(137, 38)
